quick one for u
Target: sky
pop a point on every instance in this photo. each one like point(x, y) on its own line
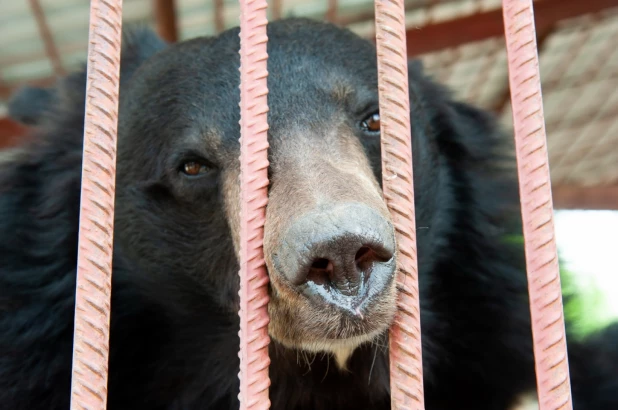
point(588, 245)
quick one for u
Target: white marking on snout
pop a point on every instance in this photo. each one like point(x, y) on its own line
point(341, 349)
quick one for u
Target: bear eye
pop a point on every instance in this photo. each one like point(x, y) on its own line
point(194, 168)
point(371, 123)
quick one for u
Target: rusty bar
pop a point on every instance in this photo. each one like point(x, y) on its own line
point(96, 223)
point(332, 11)
point(552, 370)
point(46, 36)
point(219, 16)
point(277, 9)
point(405, 335)
point(254, 339)
point(167, 20)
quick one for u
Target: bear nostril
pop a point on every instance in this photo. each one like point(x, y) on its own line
point(347, 251)
point(321, 271)
point(364, 260)
point(343, 273)
point(362, 254)
point(320, 263)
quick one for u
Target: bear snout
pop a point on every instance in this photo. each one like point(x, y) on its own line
point(343, 256)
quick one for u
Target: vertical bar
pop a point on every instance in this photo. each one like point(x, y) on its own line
point(332, 11)
point(219, 15)
point(166, 19)
point(405, 335)
point(546, 311)
point(46, 36)
point(277, 6)
point(254, 339)
point(96, 223)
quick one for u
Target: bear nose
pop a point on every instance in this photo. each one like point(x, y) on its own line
point(342, 249)
point(345, 264)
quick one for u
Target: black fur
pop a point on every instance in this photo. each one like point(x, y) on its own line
point(174, 325)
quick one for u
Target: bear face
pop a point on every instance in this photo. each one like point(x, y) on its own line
point(179, 149)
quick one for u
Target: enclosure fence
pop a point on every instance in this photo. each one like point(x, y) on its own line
point(94, 269)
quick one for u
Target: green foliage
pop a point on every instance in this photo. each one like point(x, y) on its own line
point(585, 305)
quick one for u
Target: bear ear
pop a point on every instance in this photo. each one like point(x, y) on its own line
point(139, 43)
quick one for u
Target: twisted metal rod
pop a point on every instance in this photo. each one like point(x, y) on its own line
point(48, 39)
point(550, 351)
point(96, 223)
point(405, 335)
point(254, 339)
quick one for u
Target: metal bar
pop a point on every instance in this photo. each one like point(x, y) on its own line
point(254, 339)
point(46, 36)
point(277, 9)
point(96, 223)
point(551, 361)
point(405, 335)
point(219, 15)
point(167, 20)
point(332, 11)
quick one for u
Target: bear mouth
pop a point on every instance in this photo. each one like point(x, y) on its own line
point(356, 303)
point(343, 349)
point(353, 306)
point(315, 324)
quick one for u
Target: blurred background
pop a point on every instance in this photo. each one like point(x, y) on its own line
point(462, 45)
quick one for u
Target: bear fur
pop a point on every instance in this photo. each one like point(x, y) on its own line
point(174, 323)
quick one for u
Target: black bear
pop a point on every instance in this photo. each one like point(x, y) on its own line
point(329, 242)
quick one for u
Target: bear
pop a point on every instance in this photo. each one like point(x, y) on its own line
point(329, 242)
